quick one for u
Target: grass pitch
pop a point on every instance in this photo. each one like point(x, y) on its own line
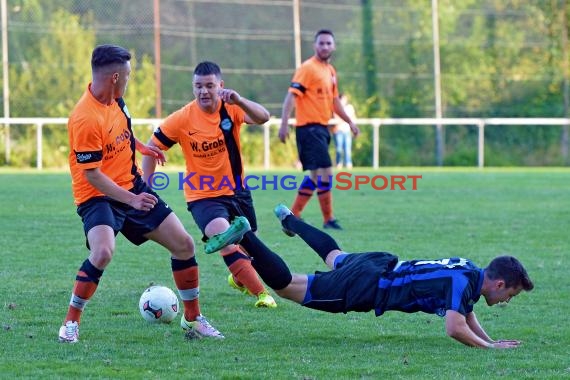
point(476, 214)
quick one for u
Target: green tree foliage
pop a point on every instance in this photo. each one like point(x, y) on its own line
point(370, 62)
point(499, 58)
point(52, 71)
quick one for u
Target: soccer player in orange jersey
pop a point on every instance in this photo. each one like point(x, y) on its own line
point(111, 196)
point(314, 94)
point(208, 131)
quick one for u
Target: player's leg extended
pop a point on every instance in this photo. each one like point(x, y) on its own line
point(172, 235)
point(220, 235)
point(274, 271)
point(212, 217)
point(322, 243)
point(243, 276)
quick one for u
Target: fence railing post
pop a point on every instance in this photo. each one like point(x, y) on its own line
point(39, 149)
point(375, 145)
point(266, 148)
point(481, 144)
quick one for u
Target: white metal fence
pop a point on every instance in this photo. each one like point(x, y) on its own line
point(376, 124)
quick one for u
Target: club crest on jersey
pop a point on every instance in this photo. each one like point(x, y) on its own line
point(226, 124)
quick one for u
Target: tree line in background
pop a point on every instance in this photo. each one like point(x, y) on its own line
point(499, 58)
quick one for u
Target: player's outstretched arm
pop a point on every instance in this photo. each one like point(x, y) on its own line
point(476, 327)
point(457, 327)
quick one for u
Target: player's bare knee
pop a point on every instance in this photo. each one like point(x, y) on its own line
point(228, 249)
point(216, 226)
point(184, 247)
point(331, 257)
point(281, 292)
point(100, 257)
point(292, 293)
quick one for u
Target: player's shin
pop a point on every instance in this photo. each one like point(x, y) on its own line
point(270, 267)
point(321, 242)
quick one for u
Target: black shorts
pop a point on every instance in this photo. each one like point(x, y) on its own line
point(352, 286)
point(227, 207)
point(313, 142)
point(132, 223)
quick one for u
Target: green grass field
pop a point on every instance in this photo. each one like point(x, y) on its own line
point(470, 213)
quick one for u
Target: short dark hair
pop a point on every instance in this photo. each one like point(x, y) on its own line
point(208, 68)
point(324, 31)
point(511, 270)
point(106, 55)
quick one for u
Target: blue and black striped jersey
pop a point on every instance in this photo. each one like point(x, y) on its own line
point(431, 286)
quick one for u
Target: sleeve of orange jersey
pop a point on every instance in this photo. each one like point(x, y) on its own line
point(87, 139)
point(301, 80)
point(170, 128)
point(237, 115)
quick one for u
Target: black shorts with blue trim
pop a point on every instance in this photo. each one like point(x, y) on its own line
point(313, 142)
point(132, 223)
point(227, 207)
point(352, 286)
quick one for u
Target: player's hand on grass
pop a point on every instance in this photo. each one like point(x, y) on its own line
point(506, 343)
point(143, 201)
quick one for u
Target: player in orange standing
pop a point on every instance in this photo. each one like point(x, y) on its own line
point(208, 131)
point(314, 94)
point(111, 196)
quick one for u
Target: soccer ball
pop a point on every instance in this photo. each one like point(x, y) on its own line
point(158, 304)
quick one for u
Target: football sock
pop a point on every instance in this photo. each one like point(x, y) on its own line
point(325, 201)
point(303, 196)
point(270, 267)
point(86, 283)
point(186, 278)
point(242, 270)
point(321, 242)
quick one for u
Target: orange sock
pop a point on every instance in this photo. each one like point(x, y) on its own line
point(325, 201)
point(186, 278)
point(86, 283)
point(243, 272)
point(82, 292)
point(303, 197)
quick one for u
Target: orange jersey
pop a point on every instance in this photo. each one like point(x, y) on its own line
point(315, 87)
point(99, 137)
point(208, 163)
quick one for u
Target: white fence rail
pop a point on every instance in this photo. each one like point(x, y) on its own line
point(376, 124)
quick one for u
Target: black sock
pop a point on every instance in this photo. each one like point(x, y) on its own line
point(270, 267)
point(321, 242)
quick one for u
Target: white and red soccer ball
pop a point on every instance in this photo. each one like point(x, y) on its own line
point(158, 304)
